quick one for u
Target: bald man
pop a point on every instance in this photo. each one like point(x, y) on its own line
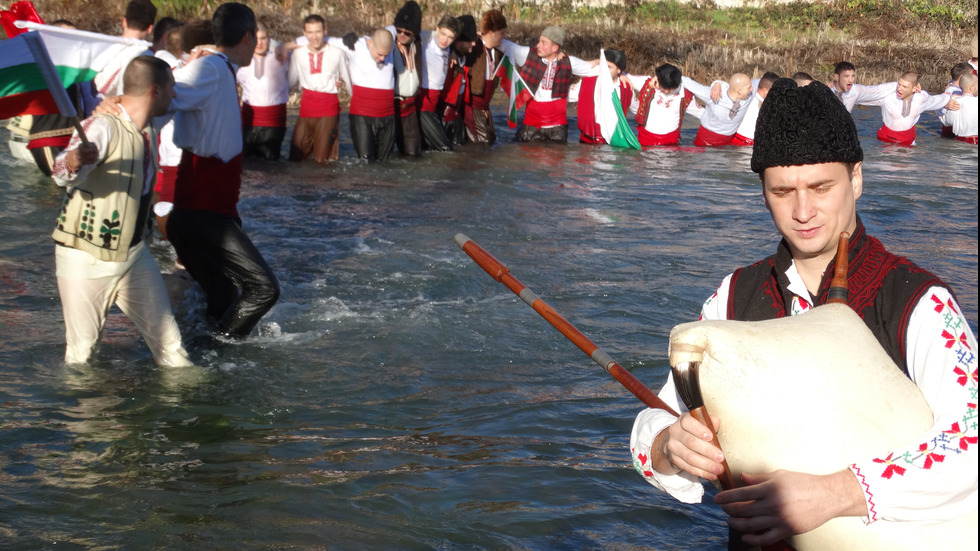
point(721, 118)
point(964, 120)
point(372, 104)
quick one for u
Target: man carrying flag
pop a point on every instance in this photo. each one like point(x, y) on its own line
point(603, 100)
point(545, 75)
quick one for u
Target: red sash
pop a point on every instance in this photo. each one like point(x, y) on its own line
point(649, 139)
point(541, 114)
point(482, 103)
point(739, 139)
point(903, 137)
point(428, 100)
point(405, 107)
point(585, 138)
point(707, 137)
point(318, 104)
point(372, 102)
point(967, 139)
point(208, 183)
point(53, 141)
point(947, 132)
point(166, 179)
point(272, 116)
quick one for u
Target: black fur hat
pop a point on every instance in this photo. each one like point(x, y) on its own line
point(618, 58)
point(409, 17)
point(468, 34)
point(803, 126)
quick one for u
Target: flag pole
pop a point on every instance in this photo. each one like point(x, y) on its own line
point(500, 273)
point(53, 81)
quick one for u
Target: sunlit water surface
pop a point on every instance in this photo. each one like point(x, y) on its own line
point(397, 397)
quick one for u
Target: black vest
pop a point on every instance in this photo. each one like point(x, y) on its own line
point(882, 288)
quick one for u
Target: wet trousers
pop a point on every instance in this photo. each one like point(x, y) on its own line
point(315, 137)
point(373, 137)
point(239, 285)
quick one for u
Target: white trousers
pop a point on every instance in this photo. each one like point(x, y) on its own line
point(88, 287)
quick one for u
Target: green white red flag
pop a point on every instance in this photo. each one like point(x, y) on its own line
point(616, 129)
point(75, 57)
point(515, 88)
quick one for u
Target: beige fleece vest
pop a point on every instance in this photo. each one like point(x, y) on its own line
point(99, 215)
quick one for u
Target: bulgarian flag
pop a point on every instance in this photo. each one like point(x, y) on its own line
point(609, 114)
point(514, 87)
point(37, 66)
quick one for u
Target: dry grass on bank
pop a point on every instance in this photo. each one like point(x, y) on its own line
point(884, 39)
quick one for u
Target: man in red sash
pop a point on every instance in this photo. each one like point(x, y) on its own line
point(663, 102)
point(458, 80)
point(265, 92)
point(204, 227)
point(589, 128)
point(809, 160)
point(372, 103)
point(745, 135)
point(963, 122)
point(900, 110)
point(316, 68)
point(547, 72)
point(722, 117)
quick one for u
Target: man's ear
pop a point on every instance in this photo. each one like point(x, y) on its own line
point(857, 181)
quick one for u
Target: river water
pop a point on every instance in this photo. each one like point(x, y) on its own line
point(397, 397)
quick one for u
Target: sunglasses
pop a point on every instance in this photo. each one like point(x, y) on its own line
point(405, 32)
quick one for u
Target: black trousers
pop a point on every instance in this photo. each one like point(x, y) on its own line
point(373, 137)
point(409, 137)
point(434, 136)
point(239, 285)
point(534, 134)
point(263, 141)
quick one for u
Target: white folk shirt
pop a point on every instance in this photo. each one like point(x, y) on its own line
point(941, 113)
point(964, 121)
point(905, 484)
point(264, 81)
point(207, 119)
point(716, 115)
point(862, 94)
point(109, 81)
point(892, 108)
point(518, 54)
point(664, 115)
point(319, 71)
point(364, 71)
point(435, 62)
point(747, 128)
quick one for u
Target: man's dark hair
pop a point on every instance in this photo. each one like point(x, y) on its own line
point(163, 27)
point(958, 70)
point(451, 23)
point(196, 33)
point(843, 66)
point(802, 75)
point(140, 14)
point(767, 80)
point(668, 76)
point(144, 71)
point(314, 18)
point(62, 23)
point(231, 22)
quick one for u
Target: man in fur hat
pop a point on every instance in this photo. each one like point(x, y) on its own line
point(458, 80)
point(809, 161)
point(481, 66)
point(407, 61)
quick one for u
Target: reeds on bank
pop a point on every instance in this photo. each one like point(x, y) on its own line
point(883, 38)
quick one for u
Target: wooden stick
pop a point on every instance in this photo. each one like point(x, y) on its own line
point(500, 273)
point(838, 286)
point(689, 387)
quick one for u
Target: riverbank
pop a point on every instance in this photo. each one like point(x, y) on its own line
point(884, 38)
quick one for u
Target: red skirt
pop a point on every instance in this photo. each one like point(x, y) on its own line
point(903, 137)
point(372, 102)
point(542, 114)
point(429, 100)
point(649, 139)
point(707, 137)
point(272, 116)
point(967, 139)
point(208, 183)
point(318, 104)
